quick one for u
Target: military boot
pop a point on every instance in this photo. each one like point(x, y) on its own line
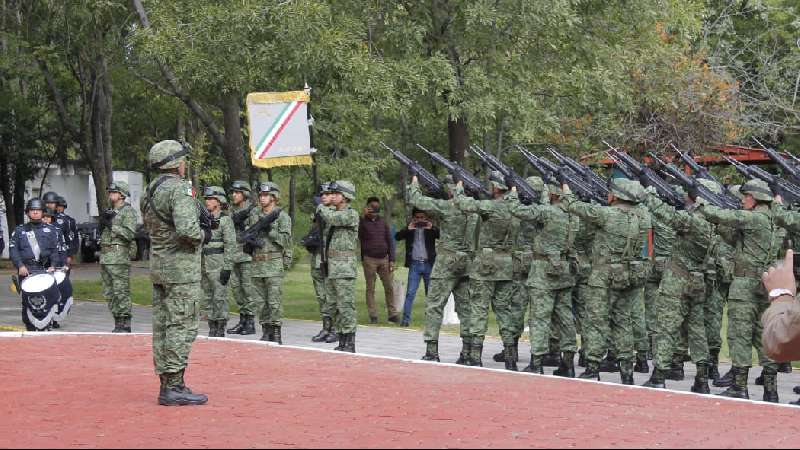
point(641, 365)
point(609, 363)
point(535, 366)
point(117, 325)
point(249, 326)
point(340, 347)
point(431, 351)
point(268, 333)
point(463, 358)
point(175, 393)
point(771, 386)
point(277, 335)
point(725, 380)
point(713, 368)
point(500, 357)
point(475, 355)
point(212, 328)
point(626, 372)
point(796, 390)
point(676, 369)
point(511, 362)
point(592, 372)
point(567, 367)
point(785, 368)
point(516, 350)
point(239, 326)
point(127, 328)
point(552, 360)
point(657, 380)
point(323, 334)
point(581, 358)
point(701, 380)
point(738, 388)
point(350, 343)
point(221, 324)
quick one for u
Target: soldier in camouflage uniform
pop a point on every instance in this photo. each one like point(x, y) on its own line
point(171, 218)
point(117, 232)
point(327, 304)
point(242, 277)
point(761, 243)
point(218, 262)
point(582, 263)
point(492, 272)
point(618, 273)
point(450, 272)
point(341, 224)
point(550, 281)
point(271, 260)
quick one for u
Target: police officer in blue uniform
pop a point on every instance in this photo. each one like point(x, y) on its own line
point(69, 230)
point(51, 200)
point(35, 246)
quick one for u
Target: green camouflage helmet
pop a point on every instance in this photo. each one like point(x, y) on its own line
point(121, 187)
point(167, 155)
point(216, 192)
point(711, 186)
point(449, 184)
point(497, 181)
point(344, 187)
point(680, 190)
point(268, 187)
point(536, 183)
point(241, 186)
point(627, 190)
point(736, 191)
point(759, 189)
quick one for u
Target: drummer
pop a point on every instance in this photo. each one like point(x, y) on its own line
point(35, 246)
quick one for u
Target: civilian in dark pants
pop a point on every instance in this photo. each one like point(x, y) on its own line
point(378, 255)
point(420, 237)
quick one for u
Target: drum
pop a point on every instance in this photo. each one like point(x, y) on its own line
point(65, 289)
point(40, 298)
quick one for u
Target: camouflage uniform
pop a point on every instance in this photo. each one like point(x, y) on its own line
point(115, 259)
point(217, 265)
point(492, 272)
point(582, 266)
point(171, 219)
point(244, 292)
point(340, 284)
point(663, 241)
point(450, 272)
point(618, 274)
point(760, 245)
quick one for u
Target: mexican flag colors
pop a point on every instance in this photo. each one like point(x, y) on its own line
point(279, 129)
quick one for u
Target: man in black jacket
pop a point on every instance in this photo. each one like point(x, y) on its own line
point(420, 237)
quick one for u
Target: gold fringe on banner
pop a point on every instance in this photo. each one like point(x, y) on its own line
point(304, 160)
point(278, 97)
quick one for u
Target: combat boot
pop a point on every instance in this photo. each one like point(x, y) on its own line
point(463, 358)
point(641, 365)
point(340, 347)
point(738, 388)
point(657, 380)
point(431, 351)
point(212, 328)
point(676, 372)
point(725, 380)
point(626, 372)
point(350, 343)
point(701, 380)
point(475, 355)
point(56, 325)
point(785, 368)
point(268, 335)
point(581, 358)
point(127, 328)
point(239, 326)
point(221, 324)
point(333, 336)
point(277, 335)
point(516, 350)
point(567, 367)
point(771, 386)
point(117, 325)
point(592, 372)
point(713, 368)
point(500, 357)
point(323, 334)
point(535, 366)
point(609, 363)
point(175, 393)
point(796, 390)
point(552, 360)
point(249, 326)
point(511, 362)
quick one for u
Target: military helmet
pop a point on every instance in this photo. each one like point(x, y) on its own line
point(736, 191)
point(241, 186)
point(679, 189)
point(34, 203)
point(216, 192)
point(537, 183)
point(711, 186)
point(497, 181)
point(627, 190)
point(759, 189)
point(49, 212)
point(121, 187)
point(268, 187)
point(50, 197)
point(62, 202)
point(344, 187)
point(167, 155)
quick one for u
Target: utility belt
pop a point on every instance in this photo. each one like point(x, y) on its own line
point(105, 247)
point(263, 257)
point(742, 272)
point(340, 254)
point(213, 251)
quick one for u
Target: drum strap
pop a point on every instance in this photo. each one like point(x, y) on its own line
point(34, 243)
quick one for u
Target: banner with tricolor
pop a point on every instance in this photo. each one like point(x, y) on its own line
point(278, 125)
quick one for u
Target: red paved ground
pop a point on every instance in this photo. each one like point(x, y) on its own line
point(99, 391)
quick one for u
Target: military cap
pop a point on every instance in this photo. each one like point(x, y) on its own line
point(216, 192)
point(497, 181)
point(167, 155)
point(121, 187)
point(759, 189)
point(50, 197)
point(34, 203)
point(344, 187)
point(628, 190)
point(268, 187)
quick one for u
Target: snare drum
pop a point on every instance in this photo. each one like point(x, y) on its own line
point(40, 298)
point(65, 289)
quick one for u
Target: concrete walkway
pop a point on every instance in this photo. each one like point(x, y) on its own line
point(373, 340)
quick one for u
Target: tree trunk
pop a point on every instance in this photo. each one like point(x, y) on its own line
point(458, 137)
point(231, 117)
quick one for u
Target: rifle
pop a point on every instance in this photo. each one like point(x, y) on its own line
point(699, 171)
point(597, 184)
point(527, 194)
point(472, 185)
point(693, 186)
point(787, 168)
point(789, 191)
point(250, 237)
point(647, 176)
point(546, 169)
point(426, 179)
point(558, 176)
point(206, 219)
point(240, 217)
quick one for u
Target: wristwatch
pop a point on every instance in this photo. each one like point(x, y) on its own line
point(775, 293)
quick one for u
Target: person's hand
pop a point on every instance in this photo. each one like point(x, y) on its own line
point(565, 188)
point(391, 267)
point(224, 277)
point(782, 276)
point(779, 199)
point(412, 226)
point(415, 180)
point(69, 260)
point(513, 189)
point(428, 225)
point(23, 272)
point(367, 212)
point(51, 269)
point(460, 184)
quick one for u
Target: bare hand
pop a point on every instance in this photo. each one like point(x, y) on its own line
point(782, 276)
point(779, 199)
point(23, 272)
point(414, 180)
point(513, 189)
point(428, 225)
point(460, 184)
point(412, 226)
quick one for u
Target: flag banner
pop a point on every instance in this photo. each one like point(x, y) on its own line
point(278, 125)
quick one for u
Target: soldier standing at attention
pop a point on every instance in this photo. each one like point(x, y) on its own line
point(618, 273)
point(327, 305)
point(172, 220)
point(341, 231)
point(218, 262)
point(117, 232)
point(70, 229)
point(762, 240)
point(271, 260)
point(450, 271)
point(242, 277)
point(492, 272)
